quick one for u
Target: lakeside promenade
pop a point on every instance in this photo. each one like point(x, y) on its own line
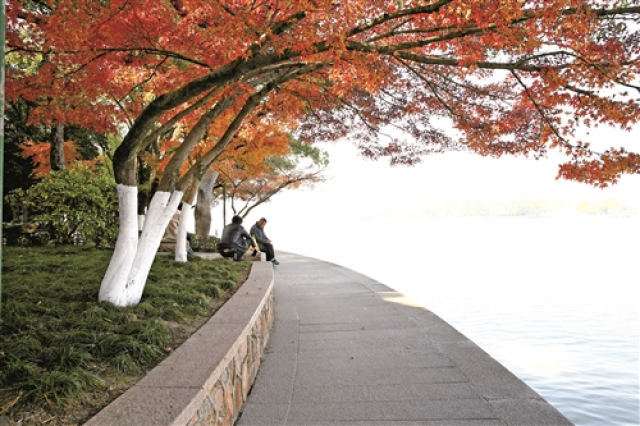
point(348, 350)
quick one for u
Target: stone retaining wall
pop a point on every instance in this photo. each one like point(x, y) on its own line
point(207, 379)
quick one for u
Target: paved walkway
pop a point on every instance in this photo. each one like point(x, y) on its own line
point(347, 350)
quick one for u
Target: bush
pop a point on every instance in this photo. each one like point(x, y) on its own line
point(76, 205)
point(204, 245)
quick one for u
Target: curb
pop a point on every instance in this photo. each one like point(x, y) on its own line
point(207, 379)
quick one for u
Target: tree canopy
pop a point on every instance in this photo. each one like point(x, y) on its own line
point(510, 77)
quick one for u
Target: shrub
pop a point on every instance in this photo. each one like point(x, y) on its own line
point(73, 202)
point(204, 245)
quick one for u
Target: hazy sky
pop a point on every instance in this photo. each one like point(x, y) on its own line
point(357, 183)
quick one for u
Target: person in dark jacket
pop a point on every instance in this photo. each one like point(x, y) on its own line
point(235, 240)
point(257, 231)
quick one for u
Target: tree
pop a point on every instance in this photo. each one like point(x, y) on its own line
point(28, 148)
point(249, 187)
point(48, 156)
point(17, 172)
point(511, 77)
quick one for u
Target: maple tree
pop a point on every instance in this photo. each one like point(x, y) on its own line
point(41, 158)
point(27, 147)
point(246, 149)
point(512, 77)
point(250, 185)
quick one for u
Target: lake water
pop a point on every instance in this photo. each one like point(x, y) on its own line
point(555, 300)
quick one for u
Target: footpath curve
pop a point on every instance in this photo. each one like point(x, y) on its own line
point(347, 350)
point(207, 379)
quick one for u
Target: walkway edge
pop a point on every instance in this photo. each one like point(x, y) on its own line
point(207, 379)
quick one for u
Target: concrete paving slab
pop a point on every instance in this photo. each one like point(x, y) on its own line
point(277, 376)
point(395, 322)
point(270, 391)
point(380, 393)
point(369, 343)
point(285, 341)
point(491, 378)
point(365, 334)
point(356, 299)
point(528, 412)
point(263, 414)
point(349, 351)
point(365, 360)
point(362, 376)
point(377, 288)
point(285, 327)
point(327, 292)
point(331, 316)
point(401, 356)
point(392, 411)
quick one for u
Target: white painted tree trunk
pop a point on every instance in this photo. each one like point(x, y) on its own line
point(115, 278)
point(132, 258)
point(161, 210)
point(181, 239)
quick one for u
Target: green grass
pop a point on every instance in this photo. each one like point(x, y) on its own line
point(59, 347)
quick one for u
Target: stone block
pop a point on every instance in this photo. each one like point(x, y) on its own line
point(242, 351)
point(228, 405)
point(218, 398)
point(237, 396)
point(246, 380)
point(195, 420)
point(209, 416)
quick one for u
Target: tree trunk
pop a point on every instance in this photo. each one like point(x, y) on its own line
point(115, 278)
point(181, 238)
point(132, 258)
point(57, 147)
point(203, 205)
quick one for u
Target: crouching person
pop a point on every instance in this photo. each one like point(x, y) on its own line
point(235, 240)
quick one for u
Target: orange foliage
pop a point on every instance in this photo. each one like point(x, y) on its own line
point(40, 154)
point(509, 77)
point(248, 149)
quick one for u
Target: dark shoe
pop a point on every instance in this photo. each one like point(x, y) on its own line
point(275, 262)
point(254, 253)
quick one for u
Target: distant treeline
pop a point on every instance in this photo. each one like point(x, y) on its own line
point(520, 207)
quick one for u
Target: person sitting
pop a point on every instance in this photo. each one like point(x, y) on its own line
point(264, 243)
point(235, 240)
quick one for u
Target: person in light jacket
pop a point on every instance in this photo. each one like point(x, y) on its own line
point(257, 231)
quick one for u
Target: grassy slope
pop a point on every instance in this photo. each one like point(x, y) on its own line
point(63, 355)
